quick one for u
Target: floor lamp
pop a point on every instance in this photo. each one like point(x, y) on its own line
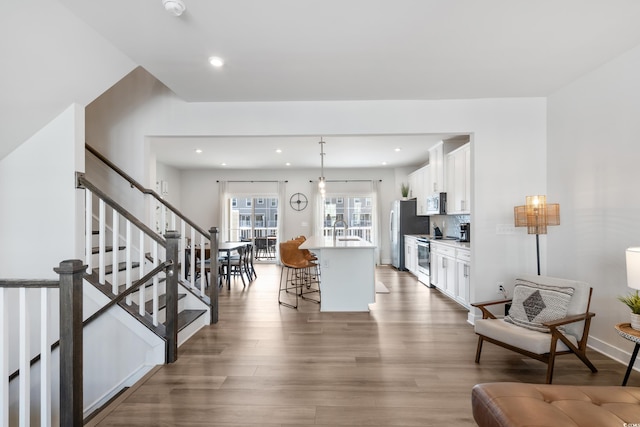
point(536, 215)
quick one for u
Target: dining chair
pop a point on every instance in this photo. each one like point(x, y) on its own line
point(249, 262)
point(261, 247)
point(236, 265)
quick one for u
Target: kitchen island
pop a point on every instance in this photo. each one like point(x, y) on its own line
point(347, 272)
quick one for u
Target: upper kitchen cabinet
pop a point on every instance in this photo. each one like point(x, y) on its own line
point(418, 189)
point(458, 166)
point(412, 185)
point(435, 182)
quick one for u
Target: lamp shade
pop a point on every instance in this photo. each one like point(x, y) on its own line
point(536, 214)
point(633, 267)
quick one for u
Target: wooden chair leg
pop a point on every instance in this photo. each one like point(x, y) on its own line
point(586, 361)
point(552, 358)
point(479, 349)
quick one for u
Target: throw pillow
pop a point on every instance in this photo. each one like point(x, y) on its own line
point(533, 304)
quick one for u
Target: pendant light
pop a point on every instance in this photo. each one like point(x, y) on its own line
point(322, 180)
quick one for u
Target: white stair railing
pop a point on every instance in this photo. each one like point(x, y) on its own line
point(27, 299)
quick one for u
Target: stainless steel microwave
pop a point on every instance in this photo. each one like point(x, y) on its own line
point(437, 204)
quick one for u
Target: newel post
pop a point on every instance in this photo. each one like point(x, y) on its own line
point(71, 404)
point(171, 324)
point(215, 269)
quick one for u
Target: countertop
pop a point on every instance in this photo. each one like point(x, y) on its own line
point(446, 241)
point(321, 242)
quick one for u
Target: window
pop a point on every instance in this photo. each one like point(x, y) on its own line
point(253, 217)
point(357, 211)
point(245, 220)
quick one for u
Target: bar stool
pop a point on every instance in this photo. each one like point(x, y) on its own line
point(295, 274)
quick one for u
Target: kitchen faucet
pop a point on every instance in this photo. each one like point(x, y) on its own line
point(346, 227)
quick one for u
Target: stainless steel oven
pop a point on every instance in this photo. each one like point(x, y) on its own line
point(424, 261)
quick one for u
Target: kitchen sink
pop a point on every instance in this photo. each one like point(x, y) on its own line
point(348, 239)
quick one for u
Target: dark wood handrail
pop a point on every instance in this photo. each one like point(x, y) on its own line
point(83, 182)
point(28, 283)
point(144, 190)
point(127, 292)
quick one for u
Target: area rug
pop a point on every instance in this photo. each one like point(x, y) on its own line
point(381, 288)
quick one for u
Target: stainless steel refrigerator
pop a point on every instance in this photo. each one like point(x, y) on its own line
point(403, 220)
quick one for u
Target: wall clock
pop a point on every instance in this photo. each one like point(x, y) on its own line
point(298, 201)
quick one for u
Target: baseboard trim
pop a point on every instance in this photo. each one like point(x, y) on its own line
point(615, 353)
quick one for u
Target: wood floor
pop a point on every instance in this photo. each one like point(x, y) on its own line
point(408, 362)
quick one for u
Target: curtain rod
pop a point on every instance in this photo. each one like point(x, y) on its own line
point(348, 180)
point(255, 180)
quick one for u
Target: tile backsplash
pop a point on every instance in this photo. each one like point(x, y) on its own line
point(449, 224)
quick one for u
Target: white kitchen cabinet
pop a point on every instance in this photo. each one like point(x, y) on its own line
point(421, 190)
point(458, 166)
point(411, 254)
point(418, 188)
point(435, 182)
point(445, 263)
point(412, 184)
point(463, 279)
point(451, 271)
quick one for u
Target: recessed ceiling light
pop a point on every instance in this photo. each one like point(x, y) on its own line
point(287, 164)
point(278, 150)
point(397, 149)
point(223, 164)
point(384, 163)
point(198, 150)
point(216, 61)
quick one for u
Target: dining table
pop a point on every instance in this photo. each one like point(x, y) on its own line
point(225, 248)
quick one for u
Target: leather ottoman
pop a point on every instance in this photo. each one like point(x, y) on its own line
point(550, 405)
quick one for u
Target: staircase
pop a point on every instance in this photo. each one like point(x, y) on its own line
point(120, 252)
point(128, 264)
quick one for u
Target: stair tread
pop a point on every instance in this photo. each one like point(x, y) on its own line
point(96, 249)
point(122, 266)
point(186, 317)
point(162, 302)
point(149, 284)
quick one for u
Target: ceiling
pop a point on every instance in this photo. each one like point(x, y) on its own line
point(300, 152)
point(310, 50)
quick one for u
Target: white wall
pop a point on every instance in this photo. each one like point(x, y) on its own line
point(593, 173)
point(39, 215)
point(50, 59)
point(173, 177)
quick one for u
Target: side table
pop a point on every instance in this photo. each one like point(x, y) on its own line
point(627, 332)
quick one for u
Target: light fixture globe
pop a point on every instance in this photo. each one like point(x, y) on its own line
point(322, 180)
point(174, 7)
